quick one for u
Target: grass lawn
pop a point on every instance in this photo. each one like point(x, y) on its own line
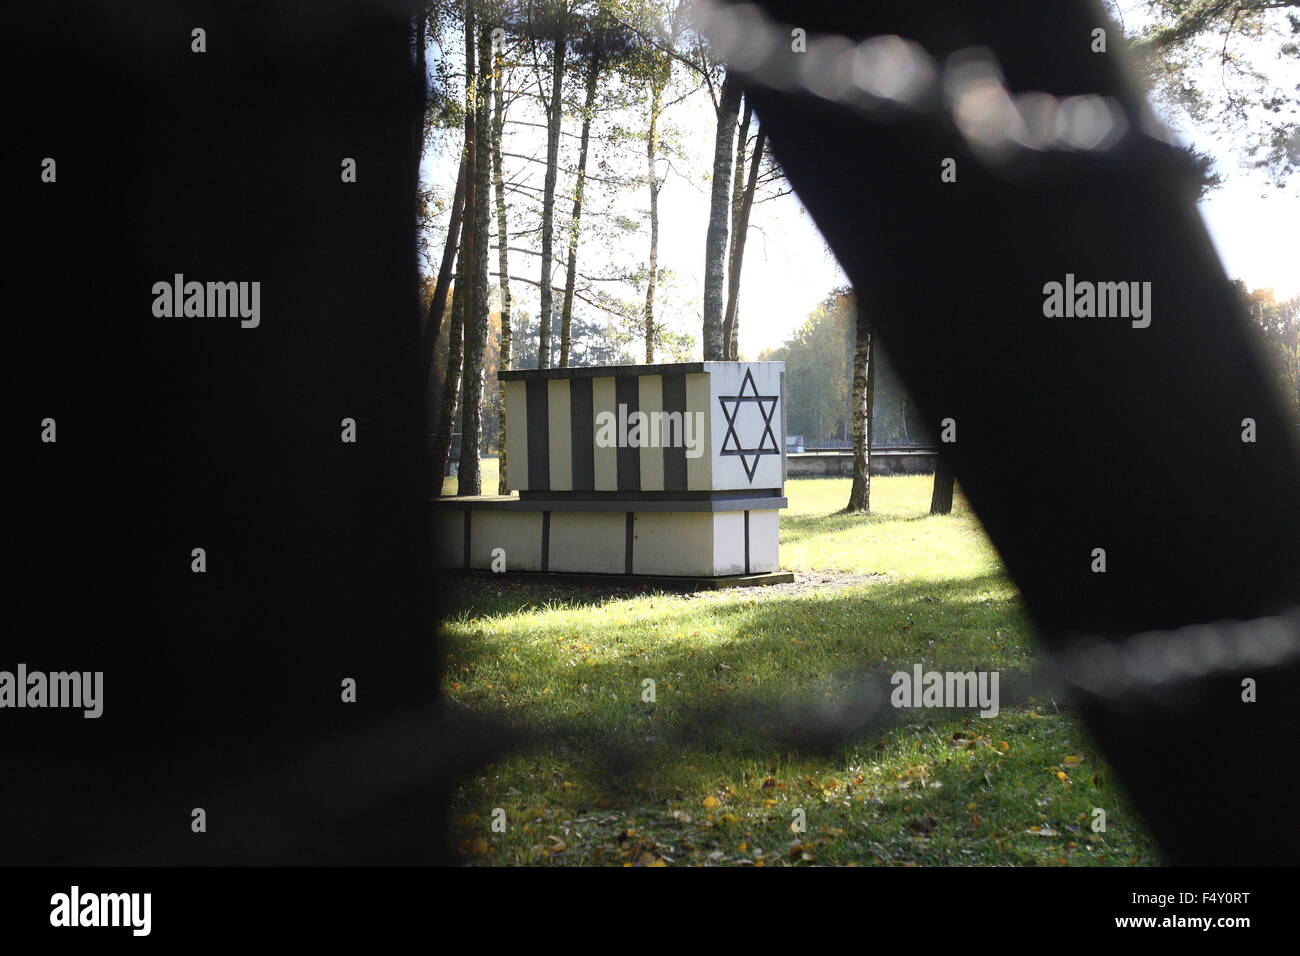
point(731, 756)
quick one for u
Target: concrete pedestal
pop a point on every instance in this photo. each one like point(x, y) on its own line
point(713, 539)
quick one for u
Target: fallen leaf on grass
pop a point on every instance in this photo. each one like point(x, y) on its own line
point(925, 823)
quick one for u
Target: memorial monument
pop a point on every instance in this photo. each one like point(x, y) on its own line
point(646, 470)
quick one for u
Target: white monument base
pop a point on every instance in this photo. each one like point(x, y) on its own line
point(712, 539)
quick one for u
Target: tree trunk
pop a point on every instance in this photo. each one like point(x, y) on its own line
point(438, 301)
point(715, 243)
point(555, 115)
point(434, 315)
point(941, 497)
point(657, 85)
point(470, 480)
point(731, 322)
point(441, 448)
point(738, 171)
point(737, 200)
point(503, 268)
point(863, 405)
point(566, 313)
point(462, 304)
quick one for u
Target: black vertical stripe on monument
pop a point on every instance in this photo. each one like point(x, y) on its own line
point(784, 432)
point(675, 451)
point(627, 395)
point(582, 433)
point(746, 542)
point(627, 545)
point(537, 421)
point(546, 540)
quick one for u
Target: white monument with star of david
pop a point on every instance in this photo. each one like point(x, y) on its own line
point(747, 432)
point(674, 470)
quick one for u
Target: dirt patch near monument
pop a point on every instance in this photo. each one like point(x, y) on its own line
point(804, 583)
point(464, 590)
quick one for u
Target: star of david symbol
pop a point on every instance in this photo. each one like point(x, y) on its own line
point(731, 405)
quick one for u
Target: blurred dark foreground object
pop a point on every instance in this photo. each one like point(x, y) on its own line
point(1199, 526)
point(223, 691)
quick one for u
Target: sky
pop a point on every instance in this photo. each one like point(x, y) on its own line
point(788, 268)
point(1256, 230)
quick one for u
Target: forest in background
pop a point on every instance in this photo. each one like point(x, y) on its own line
point(553, 125)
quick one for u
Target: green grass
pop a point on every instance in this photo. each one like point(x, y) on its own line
point(714, 769)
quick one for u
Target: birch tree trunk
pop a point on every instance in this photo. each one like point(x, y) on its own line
point(715, 243)
point(438, 301)
point(737, 200)
point(657, 85)
point(566, 313)
point(503, 270)
point(554, 117)
point(470, 480)
point(436, 312)
point(731, 321)
point(864, 401)
point(462, 306)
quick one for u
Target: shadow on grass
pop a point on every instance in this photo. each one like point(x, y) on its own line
point(814, 665)
point(795, 688)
